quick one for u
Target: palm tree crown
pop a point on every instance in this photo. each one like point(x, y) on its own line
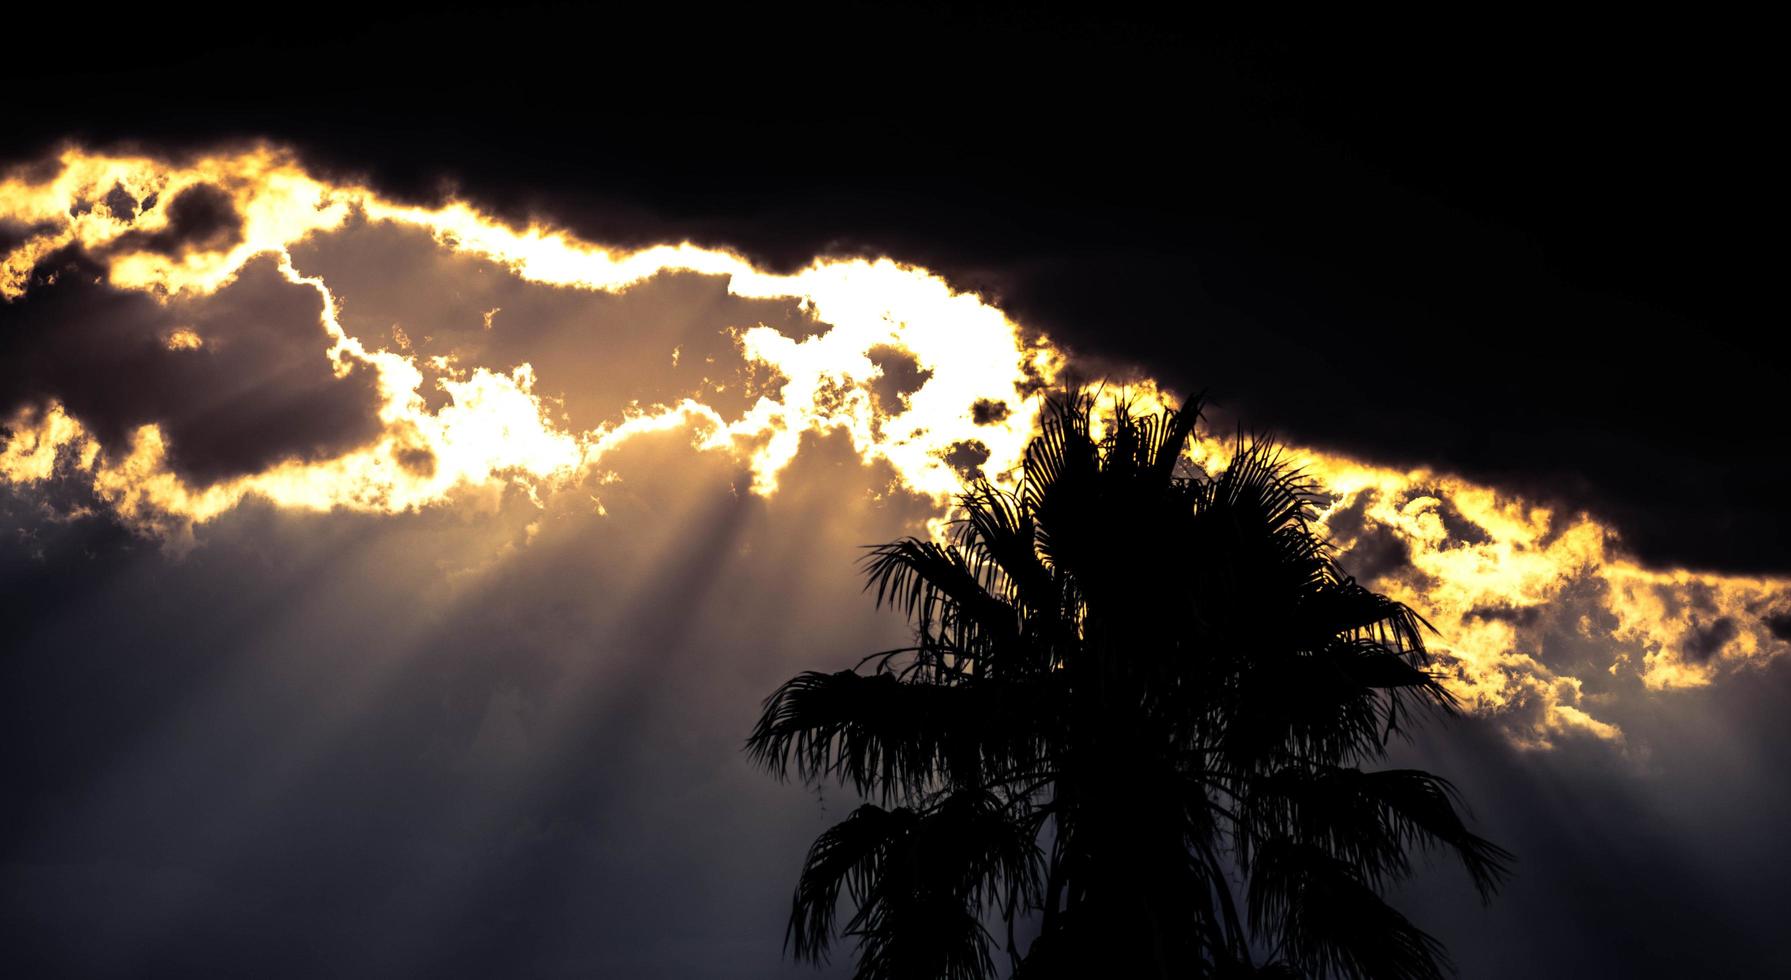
point(1134, 722)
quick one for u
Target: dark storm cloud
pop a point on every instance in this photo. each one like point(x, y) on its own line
point(124, 207)
point(667, 338)
point(1779, 624)
point(1368, 550)
point(967, 458)
point(13, 234)
point(1405, 252)
point(1706, 640)
point(985, 412)
point(258, 389)
point(902, 376)
point(1378, 552)
point(1456, 524)
point(201, 218)
point(1523, 617)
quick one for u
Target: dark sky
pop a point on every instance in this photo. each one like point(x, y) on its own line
point(1526, 250)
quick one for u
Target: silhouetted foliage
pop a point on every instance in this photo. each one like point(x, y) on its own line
point(1137, 712)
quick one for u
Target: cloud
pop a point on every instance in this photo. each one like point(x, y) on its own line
point(984, 411)
point(1407, 295)
point(236, 380)
point(1543, 619)
point(780, 355)
point(317, 346)
point(594, 351)
point(198, 218)
point(1779, 625)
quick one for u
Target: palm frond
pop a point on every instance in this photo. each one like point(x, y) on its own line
point(921, 881)
point(1323, 918)
point(892, 738)
point(938, 588)
point(848, 855)
point(1372, 821)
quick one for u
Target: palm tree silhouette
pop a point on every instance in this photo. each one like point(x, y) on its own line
point(1134, 719)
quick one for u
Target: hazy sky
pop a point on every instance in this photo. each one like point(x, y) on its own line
point(396, 553)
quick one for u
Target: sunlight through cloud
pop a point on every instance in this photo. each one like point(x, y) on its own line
point(1493, 573)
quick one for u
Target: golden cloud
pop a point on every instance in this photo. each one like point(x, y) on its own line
point(474, 427)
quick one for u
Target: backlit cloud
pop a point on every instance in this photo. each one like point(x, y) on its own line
point(185, 335)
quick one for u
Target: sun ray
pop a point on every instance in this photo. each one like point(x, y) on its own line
point(1484, 566)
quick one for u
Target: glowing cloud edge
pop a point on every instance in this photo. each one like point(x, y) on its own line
point(495, 430)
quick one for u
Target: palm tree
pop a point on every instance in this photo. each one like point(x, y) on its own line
point(1135, 720)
